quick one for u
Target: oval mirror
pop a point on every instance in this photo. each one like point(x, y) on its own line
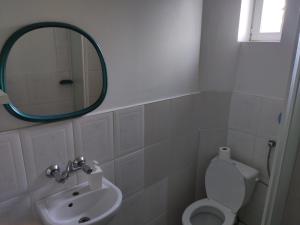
point(52, 71)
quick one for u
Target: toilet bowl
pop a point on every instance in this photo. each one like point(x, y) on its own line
point(229, 185)
point(209, 212)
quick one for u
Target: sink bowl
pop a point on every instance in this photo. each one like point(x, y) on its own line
point(81, 205)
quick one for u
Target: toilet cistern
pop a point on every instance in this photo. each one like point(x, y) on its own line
point(79, 163)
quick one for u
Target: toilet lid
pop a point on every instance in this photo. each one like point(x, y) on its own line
point(225, 184)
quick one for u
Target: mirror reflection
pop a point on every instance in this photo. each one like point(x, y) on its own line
point(53, 71)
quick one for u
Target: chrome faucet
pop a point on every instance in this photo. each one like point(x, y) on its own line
point(72, 166)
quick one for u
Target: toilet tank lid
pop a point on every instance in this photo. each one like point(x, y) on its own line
point(225, 184)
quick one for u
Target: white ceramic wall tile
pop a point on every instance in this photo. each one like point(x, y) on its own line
point(252, 213)
point(132, 211)
point(242, 146)
point(93, 136)
point(213, 110)
point(210, 141)
point(182, 115)
point(13, 176)
point(181, 193)
point(157, 162)
point(157, 122)
point(44, 146)
point(109, 171)
point(155, 200)
point(261, 67)
point(269, 117)
point(161, 220)
point(244, 112)
point(183, 152)
point(129, 130)
point(16, 211)
point(129, 172)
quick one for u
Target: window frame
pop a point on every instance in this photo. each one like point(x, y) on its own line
point(250, 31)
point(255, 34)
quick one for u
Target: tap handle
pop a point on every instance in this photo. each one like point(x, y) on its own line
point(79, 161)
point(52, 170)
point(87, 169)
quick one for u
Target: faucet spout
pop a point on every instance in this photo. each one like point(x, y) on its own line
point(66, 173)
point(72, 167)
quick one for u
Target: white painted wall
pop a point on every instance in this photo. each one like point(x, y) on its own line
point(219, 46)
point(257, 68)
point(151, 47)
point(264, 68)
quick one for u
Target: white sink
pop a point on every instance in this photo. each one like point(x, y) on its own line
point(81, 205)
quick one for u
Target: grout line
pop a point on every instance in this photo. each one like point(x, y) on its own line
point(142, 103)
point(260, 96)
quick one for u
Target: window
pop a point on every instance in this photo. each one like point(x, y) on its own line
point(261, 20)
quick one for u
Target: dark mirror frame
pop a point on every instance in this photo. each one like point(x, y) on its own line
point(49, 118)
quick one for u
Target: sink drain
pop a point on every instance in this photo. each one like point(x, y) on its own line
point(84, 219)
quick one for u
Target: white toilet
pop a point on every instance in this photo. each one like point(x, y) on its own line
point(229, 185)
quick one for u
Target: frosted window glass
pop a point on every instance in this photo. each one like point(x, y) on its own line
point(272, 16)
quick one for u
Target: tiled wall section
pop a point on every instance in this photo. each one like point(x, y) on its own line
point(156, 153)
point(149, 151)
point(212, 121)
point(245, 123)
point(253, 120)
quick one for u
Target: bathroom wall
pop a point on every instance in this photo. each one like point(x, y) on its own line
point(149, 151)
point(256, 76)
point(258, 104)
point(151, 47)
point(219, 52)
point(155, 166)
point(253, 120)
point(149, 148)
point(152, 53)
point(219, 48)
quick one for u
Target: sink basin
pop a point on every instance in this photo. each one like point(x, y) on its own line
point(81, 205)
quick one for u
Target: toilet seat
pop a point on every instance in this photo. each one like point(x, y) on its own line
point(211, 207)
point(228, 184)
